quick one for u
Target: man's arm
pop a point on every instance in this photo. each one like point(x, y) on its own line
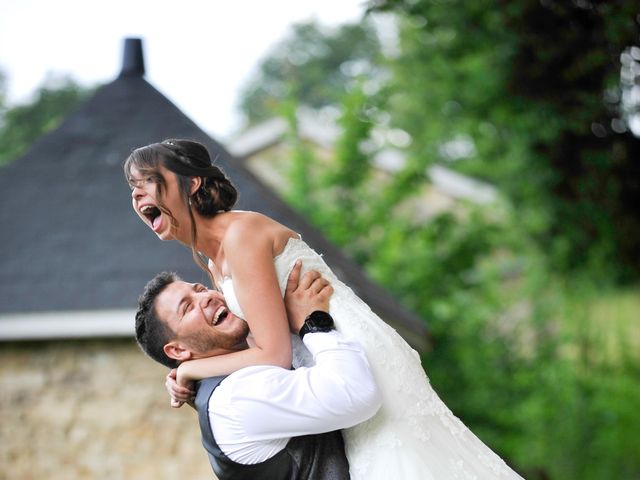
point(257, 409)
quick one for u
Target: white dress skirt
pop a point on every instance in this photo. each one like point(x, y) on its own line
point(414, 436)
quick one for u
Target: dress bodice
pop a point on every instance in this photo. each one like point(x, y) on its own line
point(283, 268)
point(284, 264)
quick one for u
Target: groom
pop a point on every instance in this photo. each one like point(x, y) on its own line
point(263, 422)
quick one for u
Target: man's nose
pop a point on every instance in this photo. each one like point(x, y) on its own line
point(204, 299)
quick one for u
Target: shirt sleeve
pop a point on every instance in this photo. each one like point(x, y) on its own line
point(263, 404)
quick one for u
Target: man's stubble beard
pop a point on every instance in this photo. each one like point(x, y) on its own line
point(205, 344)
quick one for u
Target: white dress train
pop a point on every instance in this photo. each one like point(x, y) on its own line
point(414, 436)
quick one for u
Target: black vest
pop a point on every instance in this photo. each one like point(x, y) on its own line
point(310, 457)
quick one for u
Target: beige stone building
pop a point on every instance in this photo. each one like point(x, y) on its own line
point(91, 409)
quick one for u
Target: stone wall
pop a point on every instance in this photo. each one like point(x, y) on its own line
point(92, 410)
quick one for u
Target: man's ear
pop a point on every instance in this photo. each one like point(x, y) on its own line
point(194, 185)
point(176, 351)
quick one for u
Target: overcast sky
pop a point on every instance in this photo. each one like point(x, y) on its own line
point(197, 52)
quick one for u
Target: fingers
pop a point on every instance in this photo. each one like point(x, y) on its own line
point(322, 284)
point(318, 284)
point(308, 279)
point(324, 295)
point(179, 395)
point(326, 291)
point(294, 277)
point(313, 282)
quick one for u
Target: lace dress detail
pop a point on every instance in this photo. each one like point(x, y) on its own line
point(414, 435)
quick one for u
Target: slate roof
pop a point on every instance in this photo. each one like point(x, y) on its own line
point(70, 241)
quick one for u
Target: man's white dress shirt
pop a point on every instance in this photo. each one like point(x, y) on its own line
point(256, 410)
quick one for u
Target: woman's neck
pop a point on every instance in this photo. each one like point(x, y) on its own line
point(210, 232)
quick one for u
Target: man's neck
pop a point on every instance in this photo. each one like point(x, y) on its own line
point(222, 351)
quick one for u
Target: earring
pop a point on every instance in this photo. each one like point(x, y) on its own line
point(190, 203)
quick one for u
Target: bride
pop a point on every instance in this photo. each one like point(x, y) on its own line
point(181, 196)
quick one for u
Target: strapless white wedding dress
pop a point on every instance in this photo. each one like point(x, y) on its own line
point(414, 436)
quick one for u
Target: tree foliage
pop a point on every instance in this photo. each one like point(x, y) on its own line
point(536, 86)
point(21, 125)
point(535, 89)
point(312, 63)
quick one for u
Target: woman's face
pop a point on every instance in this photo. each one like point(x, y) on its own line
point(146, 199)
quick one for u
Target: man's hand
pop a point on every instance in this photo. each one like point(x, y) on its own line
point(305, 295)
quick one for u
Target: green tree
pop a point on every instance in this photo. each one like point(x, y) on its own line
point(546, 400)
point(299, 169)
point(3, 91)
point(346, 216)
point(21, 125)
point(536, 87)
point(319, 62)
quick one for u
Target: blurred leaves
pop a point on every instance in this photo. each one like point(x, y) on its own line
point(511, 291)
point(312, 63)
point(23, 124)
point(526, 81)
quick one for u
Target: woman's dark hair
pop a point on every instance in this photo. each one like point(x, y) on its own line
point(187, 159)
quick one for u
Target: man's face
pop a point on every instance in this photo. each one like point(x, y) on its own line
point(199, 317)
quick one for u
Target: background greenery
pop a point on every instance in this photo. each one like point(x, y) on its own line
point(21, 125)
point(533, 302)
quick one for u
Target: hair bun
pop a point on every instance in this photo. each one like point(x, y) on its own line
point(192, 159)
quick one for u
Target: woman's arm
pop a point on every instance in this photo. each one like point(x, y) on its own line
point(249, 255)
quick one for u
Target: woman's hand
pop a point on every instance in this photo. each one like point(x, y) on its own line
point(179, 394)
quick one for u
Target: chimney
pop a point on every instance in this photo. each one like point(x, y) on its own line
point(132, 58)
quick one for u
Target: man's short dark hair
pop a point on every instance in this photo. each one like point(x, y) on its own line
point(152, 334)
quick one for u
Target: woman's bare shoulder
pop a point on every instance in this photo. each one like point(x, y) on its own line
point(246, 222)
point(250, 227)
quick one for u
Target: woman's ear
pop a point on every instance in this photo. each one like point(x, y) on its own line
point(176, 351)
point(194, 185)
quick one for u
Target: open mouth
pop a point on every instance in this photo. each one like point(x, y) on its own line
point(152, 213)
point(220, 315)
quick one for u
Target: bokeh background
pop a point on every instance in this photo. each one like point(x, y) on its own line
point(479, 160)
